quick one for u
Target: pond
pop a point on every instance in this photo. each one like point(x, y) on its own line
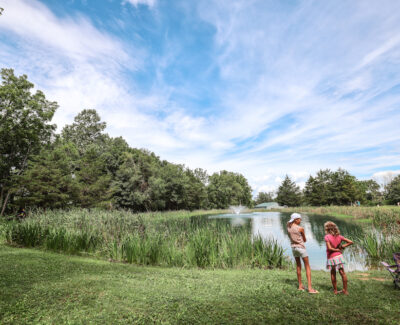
point(273, 225)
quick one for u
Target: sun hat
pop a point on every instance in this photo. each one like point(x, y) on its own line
point(294, 216)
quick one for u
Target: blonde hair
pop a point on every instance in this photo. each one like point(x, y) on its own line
point(331, 228)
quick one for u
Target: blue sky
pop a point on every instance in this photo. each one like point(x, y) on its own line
point(263, 88)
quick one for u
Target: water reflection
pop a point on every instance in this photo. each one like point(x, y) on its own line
point(273, 225)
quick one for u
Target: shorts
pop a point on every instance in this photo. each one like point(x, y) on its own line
point(299, 252)
point(335, 261)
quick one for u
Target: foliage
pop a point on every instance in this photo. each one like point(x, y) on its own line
point(337, 188)
point(93, 179)
point(86, 130)
point(289, 193)
point(227, 188)
point(370, 191)
point(48, 181)
point(24, 128)
point(393, 190)
point(263, 197)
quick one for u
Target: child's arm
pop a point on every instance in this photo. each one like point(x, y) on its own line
point(348, 242)
point(301, 230)
point(329, 246)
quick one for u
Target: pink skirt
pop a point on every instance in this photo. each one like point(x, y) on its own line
point(337, 261)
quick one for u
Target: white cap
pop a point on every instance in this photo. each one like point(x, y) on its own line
point(294, 216)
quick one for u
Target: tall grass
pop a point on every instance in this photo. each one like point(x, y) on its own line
point(169, 239)
point(378, 245)
point(387, 218)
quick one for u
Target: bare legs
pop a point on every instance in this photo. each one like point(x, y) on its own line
point(344, 279)
point(298, 271)
point(308, 274)
point(333, 279)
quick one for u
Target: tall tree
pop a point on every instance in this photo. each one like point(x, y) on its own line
point(93, 179)
point(343, 188)
point(263, 197)
point(48, 181)
point(86, 130)
point(24, 128)
point(196, 192)
point(392, 191)
point(317, 189)
point(370, 191)
point(227, 188)
point(131, 188)
point(289, 193)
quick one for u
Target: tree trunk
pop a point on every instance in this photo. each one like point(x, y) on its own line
point(5, 203)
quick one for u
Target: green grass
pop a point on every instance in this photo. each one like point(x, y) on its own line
point(50, 288)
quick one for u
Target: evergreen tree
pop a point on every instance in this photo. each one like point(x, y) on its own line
point(317, 190)
point(131, 186)
point(93, 179)
point(392, 191)
point(48, 181)
point(289, 193)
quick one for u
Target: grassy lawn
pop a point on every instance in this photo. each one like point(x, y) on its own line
point(44, 287)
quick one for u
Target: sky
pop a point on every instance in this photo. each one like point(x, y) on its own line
point(262, 88)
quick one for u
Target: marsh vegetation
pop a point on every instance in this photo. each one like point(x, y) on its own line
point(167, 239)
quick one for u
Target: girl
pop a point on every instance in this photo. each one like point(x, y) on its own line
point(335, 258)
point(297, 239)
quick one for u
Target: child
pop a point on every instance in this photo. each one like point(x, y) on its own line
point(297, 239)
point(335, 258)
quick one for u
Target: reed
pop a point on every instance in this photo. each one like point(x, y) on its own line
point(378, 245)
point(169, 239)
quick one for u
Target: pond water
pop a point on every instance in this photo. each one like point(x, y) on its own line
point(273, 225)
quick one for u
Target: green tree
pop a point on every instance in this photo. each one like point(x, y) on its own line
point(131, 187)
point(289, 193)
point(263, 197)
point(370, 191)
point(86, 130)
point(24, 128)
point(48, 181)
point(392, 191)
point(317, 190)
point(227, 188)
point(196, 192)
point(93, 179)
point(343, 188)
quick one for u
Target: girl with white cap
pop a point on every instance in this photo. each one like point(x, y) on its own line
point(297, 239)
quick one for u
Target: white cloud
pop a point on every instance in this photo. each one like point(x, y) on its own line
point(135, 3)
point(75, 38)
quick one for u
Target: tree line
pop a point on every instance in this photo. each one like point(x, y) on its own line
point(85, 167)
point(337, 188)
